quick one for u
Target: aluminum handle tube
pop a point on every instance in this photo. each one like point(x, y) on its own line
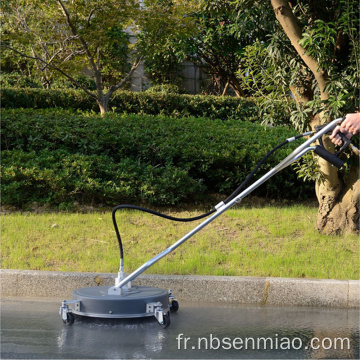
point(296, 154)
point(292, 157)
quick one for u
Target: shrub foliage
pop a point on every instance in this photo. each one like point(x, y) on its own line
point(150, 102)
point(57, 156)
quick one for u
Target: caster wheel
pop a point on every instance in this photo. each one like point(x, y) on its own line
point(174, 306)
point(166, 321)
point(70, 318)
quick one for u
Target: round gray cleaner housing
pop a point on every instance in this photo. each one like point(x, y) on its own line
point(95, 302)
point(135, 302)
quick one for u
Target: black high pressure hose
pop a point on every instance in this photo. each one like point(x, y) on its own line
point(153, 212)
point(232, 196)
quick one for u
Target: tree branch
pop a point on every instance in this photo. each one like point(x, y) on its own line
point(89, 17)
point(74, 31)
point(291, 28)
point(86, 49)
point(125, 79)
point(73, 54)
point(98, 56)
point(53, 67)
point(52, 58)
point(74, 37)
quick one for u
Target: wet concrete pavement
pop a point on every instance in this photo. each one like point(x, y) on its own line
point(33, 329)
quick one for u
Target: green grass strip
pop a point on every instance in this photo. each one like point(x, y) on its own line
point(270, 241)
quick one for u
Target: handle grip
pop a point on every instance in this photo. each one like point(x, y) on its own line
point(331, 158)
point(346, 143)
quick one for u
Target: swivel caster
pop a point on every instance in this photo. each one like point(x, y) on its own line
point(70, 318)
point(166, 321)
point(65, 312)
point(174, 306)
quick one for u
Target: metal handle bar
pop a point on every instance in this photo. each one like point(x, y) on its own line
point(295, 155)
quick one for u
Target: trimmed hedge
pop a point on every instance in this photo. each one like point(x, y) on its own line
point(154, 103)
point(28, 98)
point(57, 156)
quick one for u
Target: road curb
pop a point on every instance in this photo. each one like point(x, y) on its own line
point(225, 289)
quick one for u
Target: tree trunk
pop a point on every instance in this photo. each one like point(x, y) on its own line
point(235, 84)
point(225, 89)
point(103, 105)
point(339, 206)
point(338, 198)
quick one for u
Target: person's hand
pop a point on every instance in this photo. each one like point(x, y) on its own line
point(349, 127)
point(335, 137)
